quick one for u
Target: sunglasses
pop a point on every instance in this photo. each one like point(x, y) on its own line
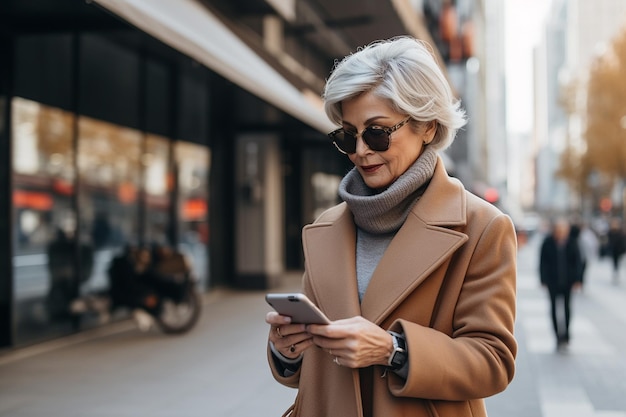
point(377, 138)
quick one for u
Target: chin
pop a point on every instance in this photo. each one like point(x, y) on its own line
point(378, 185)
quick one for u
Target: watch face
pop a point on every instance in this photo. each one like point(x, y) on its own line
point(398, 357)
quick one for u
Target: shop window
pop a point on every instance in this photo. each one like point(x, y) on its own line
point(192, 162)
point(325, 188)
point(109, 167)
point(45, 274)
point(158, 187)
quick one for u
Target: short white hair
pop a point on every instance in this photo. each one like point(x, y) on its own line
point(403, 71)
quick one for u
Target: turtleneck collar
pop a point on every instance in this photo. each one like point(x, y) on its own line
point(386, 211)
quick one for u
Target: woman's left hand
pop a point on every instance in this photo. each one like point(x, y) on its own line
point(354, 342)
point(290, 339)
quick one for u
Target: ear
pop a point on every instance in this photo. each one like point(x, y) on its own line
point(430, 128)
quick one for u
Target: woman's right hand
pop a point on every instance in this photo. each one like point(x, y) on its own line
point(289, 339)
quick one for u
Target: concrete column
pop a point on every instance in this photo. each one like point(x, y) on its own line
point(259, 214)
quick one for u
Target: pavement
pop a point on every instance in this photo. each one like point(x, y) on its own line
point(220, 369)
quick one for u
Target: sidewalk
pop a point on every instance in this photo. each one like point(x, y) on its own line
point(219, 369)
point(589, 379)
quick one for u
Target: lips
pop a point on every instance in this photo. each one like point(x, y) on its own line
point(370, 168)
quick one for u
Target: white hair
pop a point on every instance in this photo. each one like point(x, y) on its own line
point(403, 71)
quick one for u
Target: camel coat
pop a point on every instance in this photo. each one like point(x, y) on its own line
point(447, 281)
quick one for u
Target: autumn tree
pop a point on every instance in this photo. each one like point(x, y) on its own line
point(594, 166)
point(574, 168)
point(605, 133)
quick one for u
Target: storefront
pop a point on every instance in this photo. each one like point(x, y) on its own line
point(112, 138)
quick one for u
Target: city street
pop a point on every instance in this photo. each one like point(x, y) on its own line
point(219, 369)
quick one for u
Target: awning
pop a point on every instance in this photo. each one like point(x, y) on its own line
point(190, 28)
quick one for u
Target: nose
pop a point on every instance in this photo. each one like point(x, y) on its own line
point(361, 146)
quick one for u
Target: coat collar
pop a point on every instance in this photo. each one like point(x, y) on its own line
point(423, 243)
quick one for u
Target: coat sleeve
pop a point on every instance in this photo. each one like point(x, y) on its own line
point(289, 379)
point(476, 359)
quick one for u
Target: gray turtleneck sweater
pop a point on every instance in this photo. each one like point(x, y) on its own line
point(379, 215)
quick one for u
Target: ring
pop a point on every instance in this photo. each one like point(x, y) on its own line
point(278, 332)
point(336, 360)
point(292, 348)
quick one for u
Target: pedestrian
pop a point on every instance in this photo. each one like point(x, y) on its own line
point(588, 244)
point(560, 264)
point(616, 246)
point(417, 275)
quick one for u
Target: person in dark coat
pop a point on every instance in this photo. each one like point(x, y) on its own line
point(560, 266)
point(616, 246)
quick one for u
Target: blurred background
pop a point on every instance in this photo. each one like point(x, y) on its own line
point(197, 124)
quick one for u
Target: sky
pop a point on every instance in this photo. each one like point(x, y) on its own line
point(524, 20)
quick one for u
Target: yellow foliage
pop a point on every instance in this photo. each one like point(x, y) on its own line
point(605, 133)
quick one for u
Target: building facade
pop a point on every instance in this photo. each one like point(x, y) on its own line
point(576, 32)
point(196, 125)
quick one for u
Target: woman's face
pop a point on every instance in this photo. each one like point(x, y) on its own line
point(380, 169)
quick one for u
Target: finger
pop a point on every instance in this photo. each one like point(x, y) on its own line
point(318, 329)
point(296, 349)
point(325, 343)
point(291, 329)
point(293, 339)
point(278, 336)
point(276, 319)
point(336, 329)
point(273, 337)
point(336, 353)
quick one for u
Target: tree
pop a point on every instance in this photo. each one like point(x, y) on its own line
point(593, 167)
point(605, 133)
point(574, 167)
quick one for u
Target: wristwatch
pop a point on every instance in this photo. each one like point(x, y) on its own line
point(398, 357)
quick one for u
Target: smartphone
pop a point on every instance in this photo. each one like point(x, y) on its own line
point(298, 307)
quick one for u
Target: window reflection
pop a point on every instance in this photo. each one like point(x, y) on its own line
point(192, 162)
point(109, 168)
point(65, 238)
point(44, 271)
point(157, 186)
point(325, 188)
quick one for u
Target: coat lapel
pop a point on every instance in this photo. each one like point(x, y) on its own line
point(330, 257)
point(423, 243)
point(413, 254)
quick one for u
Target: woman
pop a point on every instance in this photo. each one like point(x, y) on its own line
point(416, 274)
